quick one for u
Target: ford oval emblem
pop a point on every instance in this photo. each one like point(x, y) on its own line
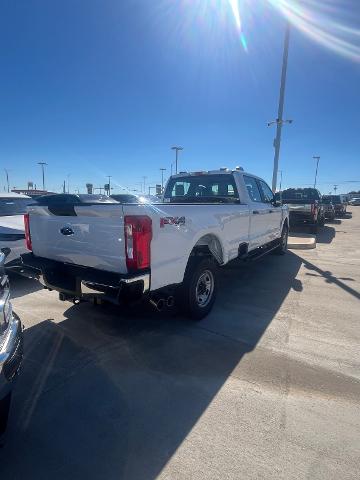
point(67, 231)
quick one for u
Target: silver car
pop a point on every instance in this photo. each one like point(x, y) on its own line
point(12, 209)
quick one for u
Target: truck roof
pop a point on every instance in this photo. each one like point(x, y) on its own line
point(220, 171)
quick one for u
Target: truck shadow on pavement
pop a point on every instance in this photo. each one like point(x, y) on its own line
point(21, 286)
point(112, 394)
point(326, 234)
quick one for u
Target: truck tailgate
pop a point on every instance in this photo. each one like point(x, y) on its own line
point(293, 207)
point(86, 235)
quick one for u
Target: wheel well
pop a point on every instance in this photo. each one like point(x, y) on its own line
point(286, 222)
point(209, 245)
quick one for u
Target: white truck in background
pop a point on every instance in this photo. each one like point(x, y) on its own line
point(168, 252)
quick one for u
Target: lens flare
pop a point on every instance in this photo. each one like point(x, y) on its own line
point(327, 22)
point(236, 12)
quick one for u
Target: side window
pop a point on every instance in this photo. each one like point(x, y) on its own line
point(180, 189)
point(252, 188)
point(267, 192)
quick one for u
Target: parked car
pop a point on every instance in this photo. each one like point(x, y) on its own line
point(305, 207)
point(12, 234)
point(11, 345)
point(165, 254)
point(329, 209)
point(355, 201)
point(130, 198)
point(340, 204)
point(71, 199)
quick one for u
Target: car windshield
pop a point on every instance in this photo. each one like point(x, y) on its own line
point(14, 206)
point(202, 188)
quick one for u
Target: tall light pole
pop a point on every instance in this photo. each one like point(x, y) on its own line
point(109, 176)
point(43, 172)
point(281, 172)
point(317, 158)
point(177, 149)
point(279, 121)
point(7, 179)
point(335, 188)
point(162, 178)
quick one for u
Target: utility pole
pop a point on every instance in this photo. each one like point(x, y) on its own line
point(144, 184)
point(109, 176)
point(43, 173)
point(281, 172)
point(279, 121)
point(317, 158)
point(177, 149)
point(7, 179)
point(162, 178)
point(64, 187)
point(335, 188)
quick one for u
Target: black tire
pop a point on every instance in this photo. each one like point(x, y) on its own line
point(201, 274)
point(282, 248)
point(314, 228)
point(321, 221)
point(4, 414)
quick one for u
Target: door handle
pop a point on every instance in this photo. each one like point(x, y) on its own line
point(256, 212)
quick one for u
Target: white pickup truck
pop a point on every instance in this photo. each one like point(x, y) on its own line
point(91, 249)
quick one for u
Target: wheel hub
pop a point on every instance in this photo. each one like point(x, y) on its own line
point(204, 288)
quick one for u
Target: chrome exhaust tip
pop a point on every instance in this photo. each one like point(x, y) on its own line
point(158, 304)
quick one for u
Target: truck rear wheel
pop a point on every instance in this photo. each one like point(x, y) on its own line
point(314, 228)
point(283, 241)
point(198, 292)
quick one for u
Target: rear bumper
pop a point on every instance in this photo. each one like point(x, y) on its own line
point(301, 217)
point(75, 281)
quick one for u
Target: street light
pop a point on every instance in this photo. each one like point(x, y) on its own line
point(43, 173)
point(7, 179)
point(109, 176)
point(281, 173)
point(176, 156)
point(279, 121)
point(162, 178)
point(317, 158)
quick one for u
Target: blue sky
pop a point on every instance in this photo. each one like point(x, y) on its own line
point(105, 87)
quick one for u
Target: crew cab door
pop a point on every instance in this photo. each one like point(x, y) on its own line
point(275, 213)
point(259, 232)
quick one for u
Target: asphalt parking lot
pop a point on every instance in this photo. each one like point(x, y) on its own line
point(268, 386)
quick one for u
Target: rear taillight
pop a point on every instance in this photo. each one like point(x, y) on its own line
point(27, 232)
point(138, 235)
